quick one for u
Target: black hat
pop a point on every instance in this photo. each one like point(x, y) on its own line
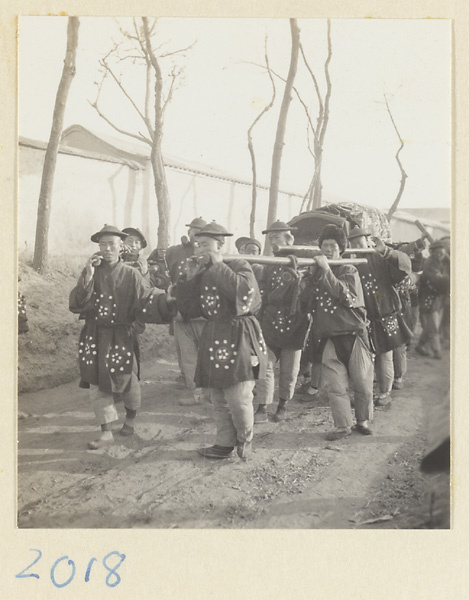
point(279, 226)
point(357, 232)
point(108, 230)
point(135, 231)
point(197, 223)
point(438, 244)
point(332, 232)
point(213, 230)
point(247, 240)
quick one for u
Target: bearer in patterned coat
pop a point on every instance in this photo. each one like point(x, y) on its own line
point(232, 352)
point(385, 269)
point(110, 296)
point(186, 332)
point(284, 325)
point(434, 291)
point(334, 295)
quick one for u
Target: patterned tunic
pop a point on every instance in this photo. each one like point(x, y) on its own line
point(379, 276)
point(232, 348)
point(434, 284)
point(335, 298)
point(115, 298)
point(175, 259)
point(284, 323)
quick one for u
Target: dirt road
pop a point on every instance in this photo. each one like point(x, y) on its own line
point(293, 479)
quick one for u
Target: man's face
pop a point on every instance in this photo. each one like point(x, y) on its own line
point(134, 243)
point(207, 244)
point(109, 247)
point(438, 253)
point(361, 241)
point(280, 238)
point(242, 249)
point(251, 249)
point(191, 233)
point(330, 249)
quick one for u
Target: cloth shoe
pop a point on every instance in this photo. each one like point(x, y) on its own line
point(243, 449)
point(338, 434)
point(260, 416)
point(421, 350)
point(104, 440)
point(383, 399)
point(363, 429)
point(398, 384)
point(216, 451)
point(126, 430)
point(281, 413)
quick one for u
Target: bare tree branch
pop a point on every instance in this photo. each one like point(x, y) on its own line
point(316, 86)
point(251, 146)
point(166, 54)
point(297, 93)
point(398, 160)
point(127, 95)
point(140, 137)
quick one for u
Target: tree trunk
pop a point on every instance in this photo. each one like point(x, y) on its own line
point(157, 163)
point(252, 218)
point(50, 159)
point(162, 196)
point(281, 125)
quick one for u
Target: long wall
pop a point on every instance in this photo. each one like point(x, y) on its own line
point(89, 192)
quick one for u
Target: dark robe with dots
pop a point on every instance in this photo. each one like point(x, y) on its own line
point(232, 348)
point(284, 323)
point(335, 298)
point(434, 284)
point(114, 299)
point(379, 276)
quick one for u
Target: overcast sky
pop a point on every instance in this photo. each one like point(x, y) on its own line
point(222, 93)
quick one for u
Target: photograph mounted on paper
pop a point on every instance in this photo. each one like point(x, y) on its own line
point(234, 273)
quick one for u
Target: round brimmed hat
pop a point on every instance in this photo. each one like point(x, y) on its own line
point(197, 223)
point(437, 244)
point(108, 230)
point(136, 232)
point(247, 240)
point(279, 226)
point(357, 232)
point(332, 232)
point(213, 230)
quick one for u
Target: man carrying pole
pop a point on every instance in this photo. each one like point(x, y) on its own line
point(388, 330)
point(334, 295)
point(284, 326)
point(232, 352)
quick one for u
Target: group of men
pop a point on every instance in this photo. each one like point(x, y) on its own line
point(234, 320)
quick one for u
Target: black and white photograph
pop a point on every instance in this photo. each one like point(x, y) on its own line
point(234, 268)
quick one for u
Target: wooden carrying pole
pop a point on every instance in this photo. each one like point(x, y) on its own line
point(300, 248)
point(425, 231)
point(283, 260)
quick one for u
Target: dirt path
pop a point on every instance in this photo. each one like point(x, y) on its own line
point(293, 479)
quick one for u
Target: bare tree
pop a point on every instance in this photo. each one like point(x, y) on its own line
point(395, 204)
point(282, 122)
point(251, 148)
point(143, 49)
point(313, 197)
point(41, 246)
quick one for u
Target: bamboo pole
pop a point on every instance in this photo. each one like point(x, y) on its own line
point(283, 260)
point(300, 248)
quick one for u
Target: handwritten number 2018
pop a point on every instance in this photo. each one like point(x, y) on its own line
point(112, 577)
